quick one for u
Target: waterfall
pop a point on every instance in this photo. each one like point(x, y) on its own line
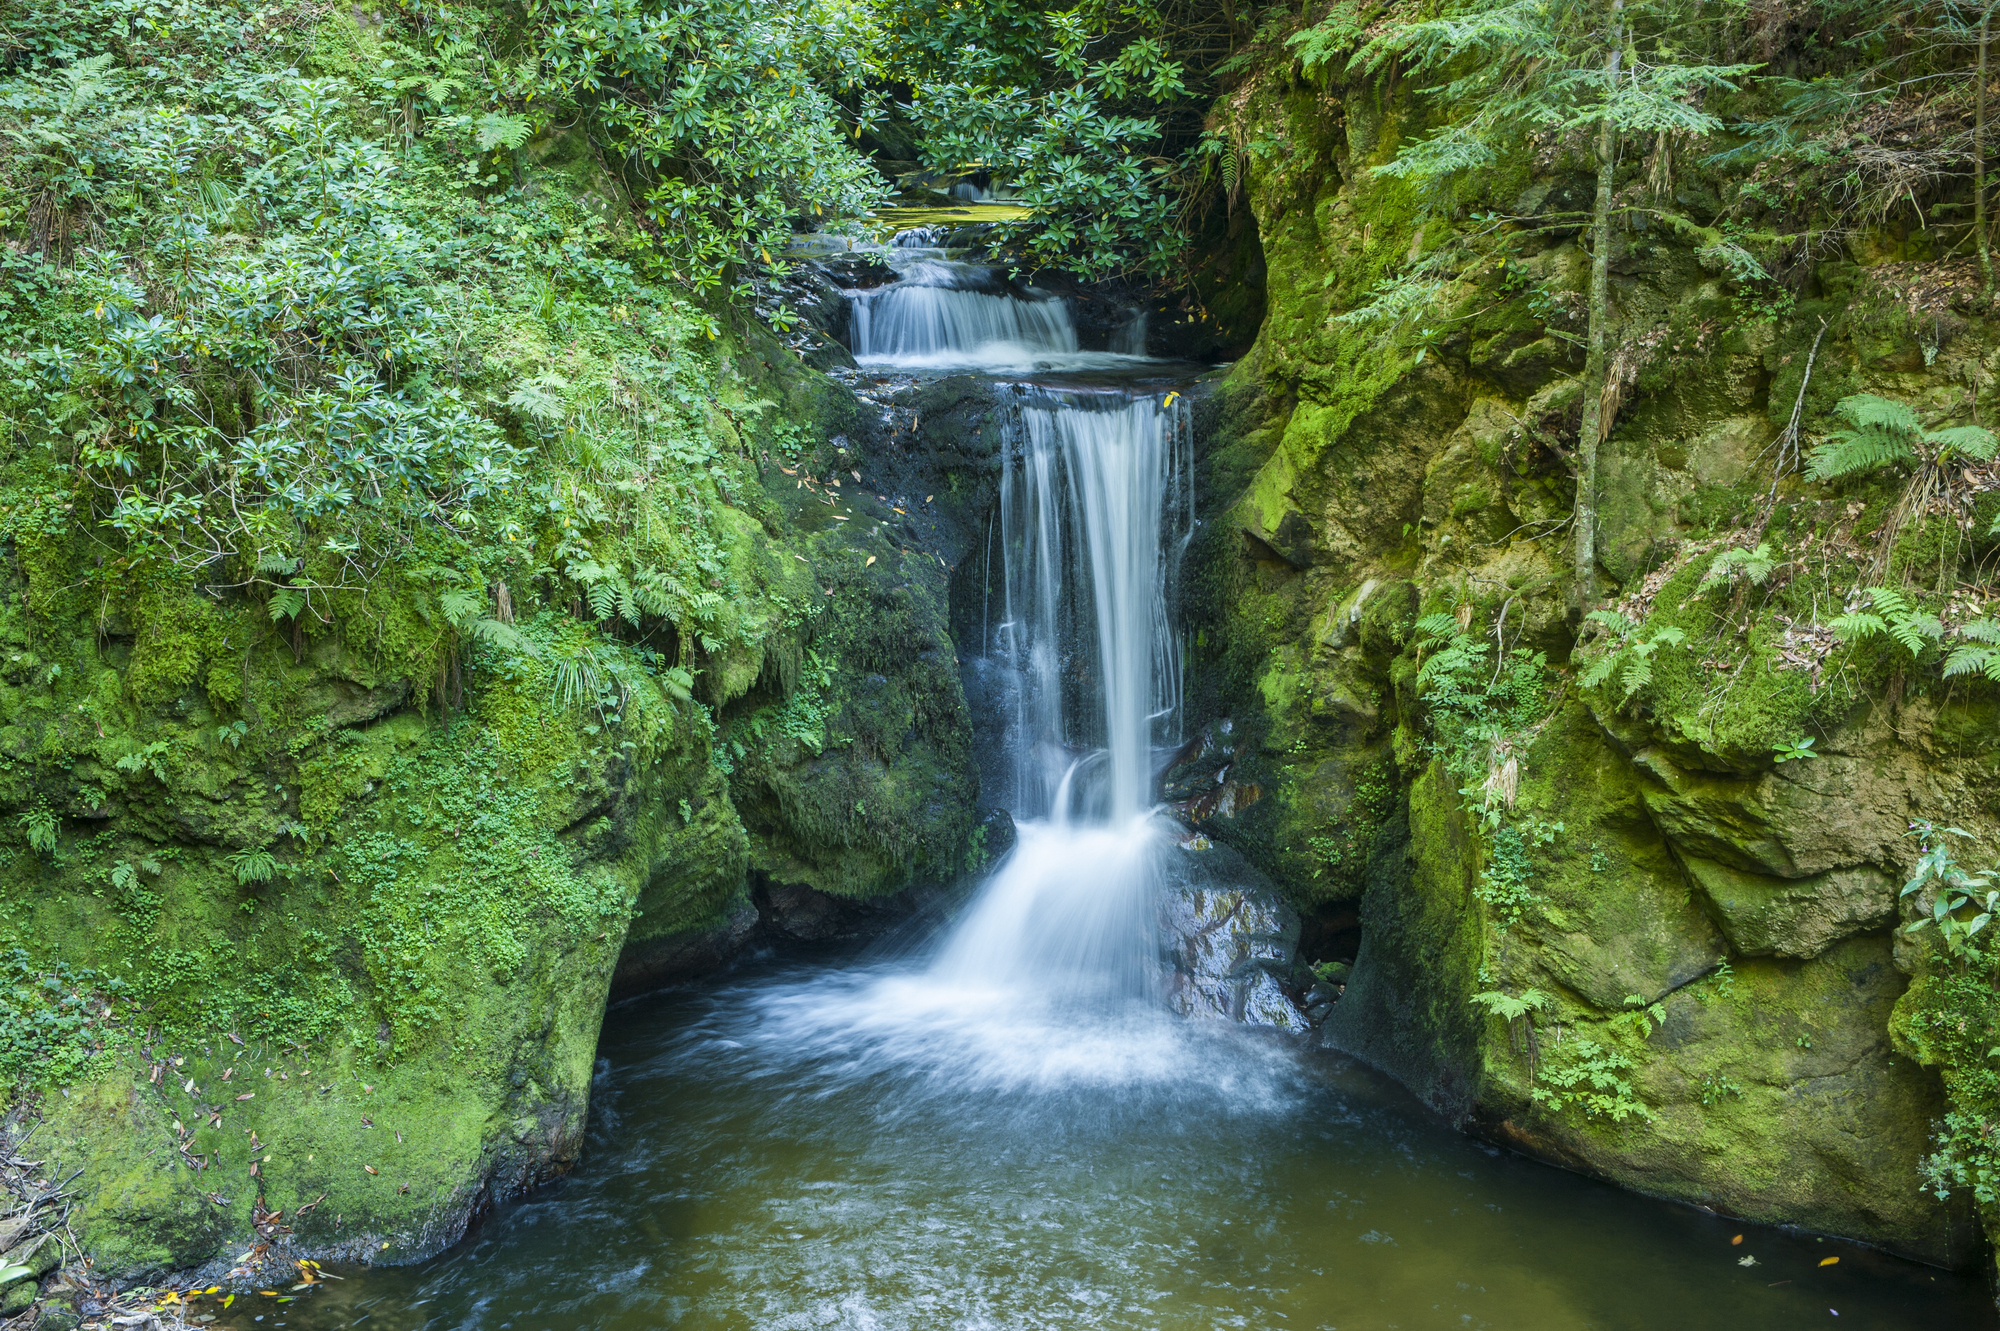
point(1130, 340)
point(1091, 521)
point(945, 315)
point(1094, 514)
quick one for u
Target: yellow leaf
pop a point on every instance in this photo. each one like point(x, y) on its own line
point(1828, 1261)
point(871, 559)
point(228, 1300)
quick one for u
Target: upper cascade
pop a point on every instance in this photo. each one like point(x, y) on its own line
point(945, 314)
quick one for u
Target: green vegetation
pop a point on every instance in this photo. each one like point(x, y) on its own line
point(1951, 1017)
point(1587, 1077)
point(54, 1019)
point(384, 561)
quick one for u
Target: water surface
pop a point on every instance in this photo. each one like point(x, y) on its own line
point(858, 1145)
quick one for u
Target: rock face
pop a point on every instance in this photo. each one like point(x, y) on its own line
point(1718, 1007)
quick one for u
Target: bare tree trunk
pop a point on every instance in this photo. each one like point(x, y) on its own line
point(1600, 301)
point(1979, 158)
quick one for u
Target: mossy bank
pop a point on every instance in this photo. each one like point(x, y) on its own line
point(1619, 891)
point(558, 621)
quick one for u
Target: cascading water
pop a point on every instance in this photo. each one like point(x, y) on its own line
point(1092, 518)
point(945, 314)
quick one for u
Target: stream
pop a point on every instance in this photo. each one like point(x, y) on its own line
point(1012, 1125)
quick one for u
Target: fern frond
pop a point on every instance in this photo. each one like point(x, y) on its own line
point(1981, 630)
point(1889, 601)
point(1600, 670)
point(1867, 411)
point(1438, 626)
point(1970, 440)
point(461, 606)
point(1612, 620)
point(1853, 451)
point(504, 636)
point(1717, 574)
point(1915, 631)
point(1970, 659)
point(1859, 625)
point(287, 603)
point(1638, 675)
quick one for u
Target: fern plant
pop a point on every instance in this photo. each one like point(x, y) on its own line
point(1977, 651)
point(1913, 628)
point(1738, 566)
point(1883, 431)
point(1593, 1079)
point(1627, 657)
point(253, 865)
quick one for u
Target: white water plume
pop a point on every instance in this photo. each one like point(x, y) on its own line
point(928, 324)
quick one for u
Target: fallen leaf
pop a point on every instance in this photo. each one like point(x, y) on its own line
point(251, 1095)
point(871, 559)
point(367, 1122)
point(1738, 1239)
point(366, 1087)
point(371, 1169)
point(1828, 1261)
point(928, 498)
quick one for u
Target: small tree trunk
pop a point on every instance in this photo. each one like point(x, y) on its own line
point(1600, 300)
point(1979, 158)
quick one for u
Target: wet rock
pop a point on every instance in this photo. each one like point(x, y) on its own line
point(1228, 941)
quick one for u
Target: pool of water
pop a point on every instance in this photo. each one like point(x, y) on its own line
point(855, 1144)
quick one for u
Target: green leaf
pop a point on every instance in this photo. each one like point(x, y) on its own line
point(501, 131)
point(287, 603)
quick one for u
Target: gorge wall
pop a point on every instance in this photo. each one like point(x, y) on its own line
point(1711, 998)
